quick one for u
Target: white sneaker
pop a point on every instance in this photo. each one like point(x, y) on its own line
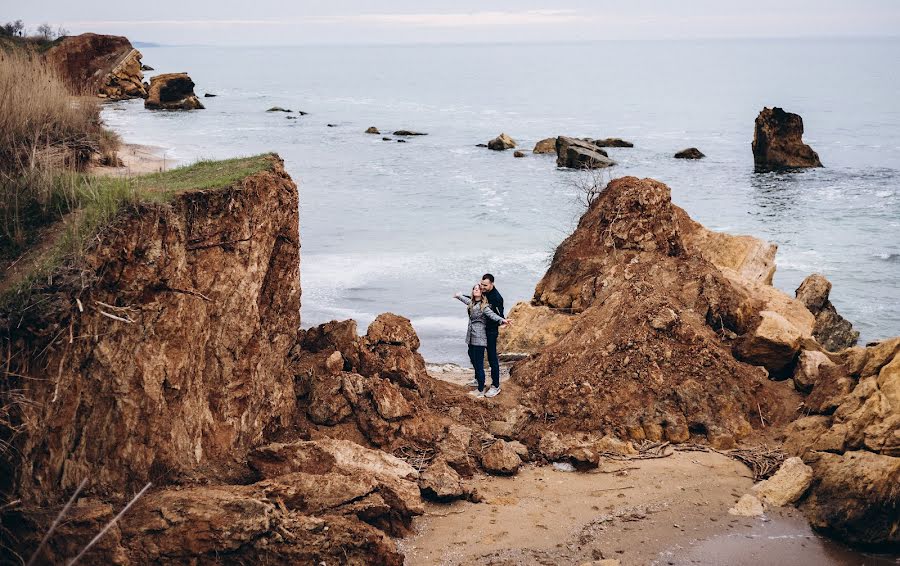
point(492, 392)
point(473, 383)
point(477, 393)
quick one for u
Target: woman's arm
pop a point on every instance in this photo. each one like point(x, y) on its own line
point(462, 298)
point(494, 316)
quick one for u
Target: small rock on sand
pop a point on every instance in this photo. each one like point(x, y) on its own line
point(747, 506)
point(788, 484)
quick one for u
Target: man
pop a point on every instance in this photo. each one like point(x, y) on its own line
point(493, 330)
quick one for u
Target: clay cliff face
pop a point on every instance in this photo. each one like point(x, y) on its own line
point(106, 65)
point(166, 352)
point(778, 142)
point(648, 353)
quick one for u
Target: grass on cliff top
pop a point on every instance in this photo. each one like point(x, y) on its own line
point(88, 203)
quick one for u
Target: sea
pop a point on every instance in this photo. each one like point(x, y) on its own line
point(401, 227)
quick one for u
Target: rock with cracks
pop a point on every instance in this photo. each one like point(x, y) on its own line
point(778, 142)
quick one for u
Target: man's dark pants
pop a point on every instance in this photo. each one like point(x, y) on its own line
point(493, 358)
point(476, 356)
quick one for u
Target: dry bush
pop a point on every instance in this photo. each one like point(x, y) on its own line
point(44, 130)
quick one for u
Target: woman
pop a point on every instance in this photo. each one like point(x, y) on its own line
point(476, 336)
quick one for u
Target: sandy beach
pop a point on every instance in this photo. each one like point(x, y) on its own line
point(139, 159)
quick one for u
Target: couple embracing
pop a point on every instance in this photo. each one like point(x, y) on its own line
point(485, 307)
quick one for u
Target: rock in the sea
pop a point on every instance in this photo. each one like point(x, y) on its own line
point(501, 142)
point(778, 142)
point(147, 68)
point(501, 459)
point(832, 330)
point(613, 142)
point(209, 95)
point(172, 91)
point(574, 153)
point(787, 485)
point(747, 506)
point(372, 130)
point(518, 153)
point(547, 145)
point(856, 498)
point(690, 153)
point(106, 65)
point(408, 133)
point(279, 109)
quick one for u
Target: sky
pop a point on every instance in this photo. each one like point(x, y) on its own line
point(271, 22)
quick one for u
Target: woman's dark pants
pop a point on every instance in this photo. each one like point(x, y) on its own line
point(476, 356)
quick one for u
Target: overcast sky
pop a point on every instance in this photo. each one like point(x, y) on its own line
point(268, 22)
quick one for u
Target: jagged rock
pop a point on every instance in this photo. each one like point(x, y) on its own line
point(519, 449)
point(500, 459)
point(501, 143)
point(107, 65)
point(773, 344)
point(372, 130)
point(574, 153)
point(408, 133)
point(856, 497)
point(747, 506)
point(690, 153)
point(581, 450)
point(172, 91)
point(518, 153)
point(534, 327)
point(389, 328)
point(501, 429)
point(327, 405)
point(455, 449)
point(806, 374)
point(547, 145)
point(787, 485)
point(832, 331)
point(440, 482)
point(613, 142)
point(149, 68)
point(778, 142)
point(389, 400)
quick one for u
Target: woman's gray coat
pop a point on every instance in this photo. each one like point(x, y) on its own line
point(476, 335)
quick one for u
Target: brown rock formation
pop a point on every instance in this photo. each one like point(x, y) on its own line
point(372, 130)
point(535, 327)
point(613, 142)
point(778, 142)
point(832, 330)
point(690, 153)
point(106, 65)
point(547, 145)
point(654, 326)
point(852, 442)
point(501, 142)
point(172, 91)
point(574, 153)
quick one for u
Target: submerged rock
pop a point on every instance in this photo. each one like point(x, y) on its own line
point(501, 142)
point(519, 154)
point(574, 153)
point(613, 142)
point(372, 130)
point(172, 91)
point(547, 145)
point(278, 109)
point(408, 133)
point(778, 142)
point(690, 153)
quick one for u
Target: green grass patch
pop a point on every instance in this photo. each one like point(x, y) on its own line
point(88, 203)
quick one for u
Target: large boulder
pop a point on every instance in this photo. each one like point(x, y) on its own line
point(832, 330)
point(440, 482)
point(547, 145)
point(105, 65)
point(172, 91)
point(499, 458)
point(774, 344)
point(574, 153)
point(778, 142)
point(787, 485)
point(501, 143)
point(856, 498)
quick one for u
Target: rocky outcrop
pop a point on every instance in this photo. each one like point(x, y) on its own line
point(574, 153)
point(501, 142)
point(832, 330)
point(534, 328)
point(690, 153)
point(653, 329)
point(172, 91)
point(613, 142)
point(165, 350)
point(851, 440)
point(105, 65)
point(547, 145)
point(372, 130)
point(778, 142)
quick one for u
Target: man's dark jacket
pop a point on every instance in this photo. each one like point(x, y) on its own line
point(496, 300)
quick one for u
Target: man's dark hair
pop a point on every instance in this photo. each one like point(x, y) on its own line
point(488, 276)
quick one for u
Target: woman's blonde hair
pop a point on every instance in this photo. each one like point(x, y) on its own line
point(482, 303)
